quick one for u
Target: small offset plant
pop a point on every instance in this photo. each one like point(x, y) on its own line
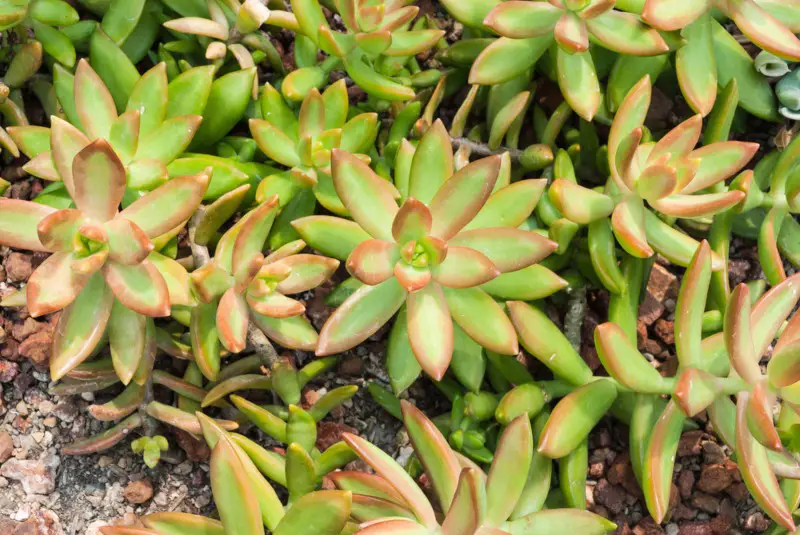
point(529, 29)
point(670, 175)
point(304, 143)
point(377, 49)
point(150, 448)
point(241, 286)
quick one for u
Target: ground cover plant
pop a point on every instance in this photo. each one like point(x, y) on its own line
point(210, 210)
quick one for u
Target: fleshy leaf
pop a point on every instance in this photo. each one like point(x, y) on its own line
point(360, 316)
point(385, 466)
point(98, 180)
point(509, 471)
point(462, 196)
point(432, 164)
point(373, 261)
point(168, 206)
point(81, 326)
point(433, 452)
point(367, 196)
point(19, 221)
point(482, 319)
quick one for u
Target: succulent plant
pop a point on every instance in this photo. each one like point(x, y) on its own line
point(247, 503)
point(468, 499)
point(767, 213)
point(103, 269)
point(145, 138)
point(303, 143)
point(769, 24)
point(241, 286)
point(150, 448)
point(709, 57)
point(302, 466)
point(450, 236)
point(377, 49)
point(234, 27)
point(705, 380)
point(46, 20)
point(670, 175)
point(530, 28)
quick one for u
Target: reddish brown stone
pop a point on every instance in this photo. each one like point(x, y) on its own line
point(705, 502)
point(8, 371)
point(139, 491)
point(756, 522)
point(650, 310)
point(641, 334)
point(648, 526)
point(37, 347)
point(681, 512)
point(733, 470)
point(6, 447)
point(738, 491)
point(662, 283)
point(310, 396)
point(653, 347)
point(703, 527)
point(196, 450)
point(714, 478)
point(685, 483)
point(621, 473)
point(9, 349)
point(40, 523)
point(665, 330)
point(329, 433)
point(690, 444)
point(20, 331)
point(721, 525)
point(610, 496)
point(596, 470)
point(18, 267)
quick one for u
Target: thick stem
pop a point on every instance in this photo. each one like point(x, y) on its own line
point(482, 149)
point(257, 341)
point(576, 313)
point(200, 253)
point(259, 344)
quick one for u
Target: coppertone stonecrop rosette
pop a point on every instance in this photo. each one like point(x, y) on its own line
point(431, 254)
point(670, 175)
point(240, 286)
point(710, 371)
point(102, 269)
point(146, 137)
point(375, 49)
point(530, 28)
